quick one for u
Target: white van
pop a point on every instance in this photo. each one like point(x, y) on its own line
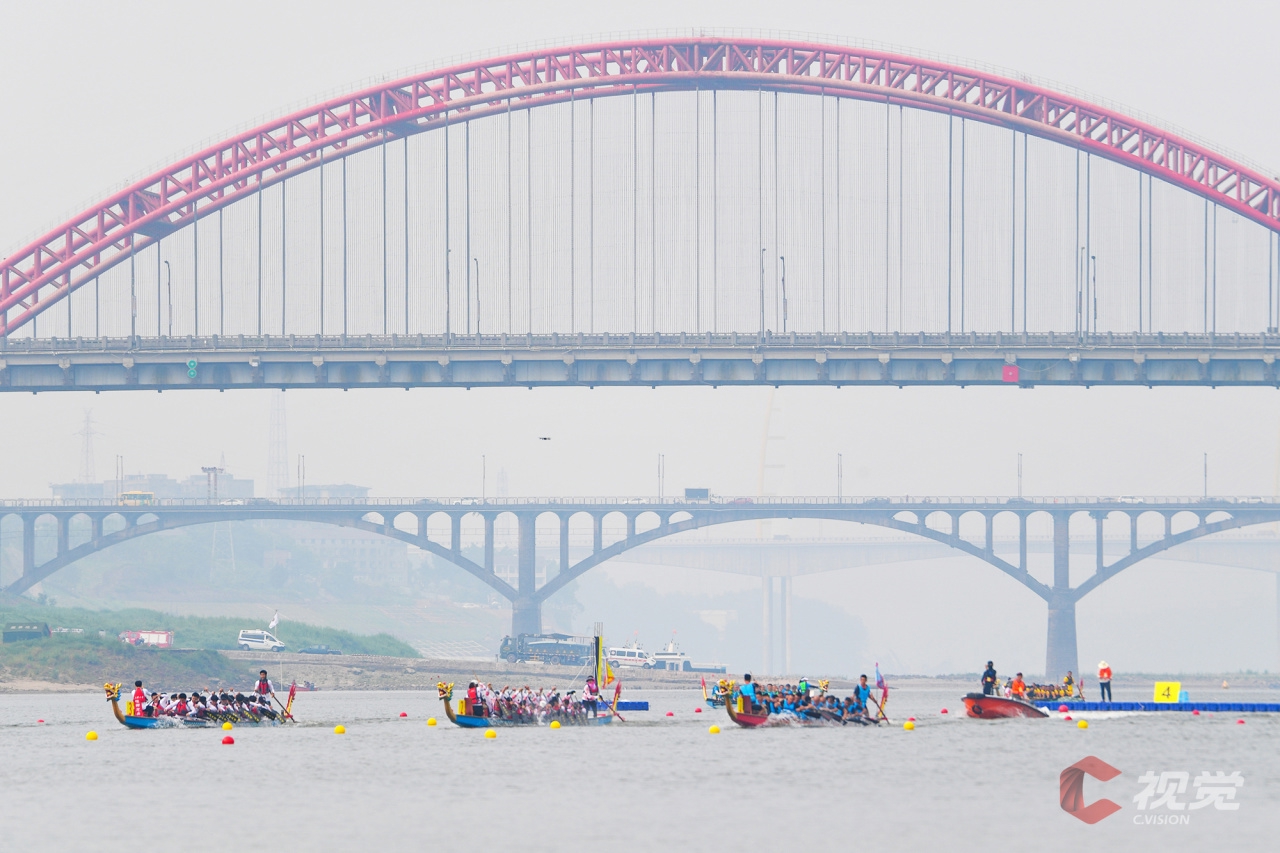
point(630, 656)
point(259, 641)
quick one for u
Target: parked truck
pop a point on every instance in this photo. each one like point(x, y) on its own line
point(547, 648)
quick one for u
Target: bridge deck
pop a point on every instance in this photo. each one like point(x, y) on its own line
point(101, 364)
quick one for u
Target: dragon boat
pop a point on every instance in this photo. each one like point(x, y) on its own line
point(478, 717)
point(983, 707)
point(128, 719)
point(749, 718)
point(715, 699)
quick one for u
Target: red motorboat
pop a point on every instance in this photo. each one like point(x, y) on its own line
point(985, 707)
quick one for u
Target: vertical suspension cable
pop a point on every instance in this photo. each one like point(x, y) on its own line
point(466, 193)
point(260, 225)
point(510, 217)
point(635, 214)
point(697, 210)
point(888, 120)
point(344, 247)
point(1151, 261)
point(195, 270)
point(1214, 316)
point(901, 235)
point(529, 212)
point(221, 279)
point(573, 208)
point(760, 196)
point(1013, 231)
point(133, 292)
point(777, 199)
point(1077, 249)
point(406, 235)
point(1090, 282)
point(653, 215)
point(951, 141)
point(715, 211)
point(591, 218)
point(321, 242)
point(1026, 216)
point(284, 290)
point(1139, 253)
point(963, 158)
point(448, 245)
point(822, 183)
point(839, 228)
point(1206, 267)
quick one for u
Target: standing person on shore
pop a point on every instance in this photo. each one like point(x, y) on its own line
point(1104, 681)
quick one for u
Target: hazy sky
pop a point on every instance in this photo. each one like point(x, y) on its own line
point(94, 95)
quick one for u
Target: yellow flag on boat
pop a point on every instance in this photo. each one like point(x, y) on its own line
point(608, 674)
point(1168, 691)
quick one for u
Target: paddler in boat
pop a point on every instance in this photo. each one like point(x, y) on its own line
point(263, 687)
point(591, 696)
point(139, 698)
point(989, 680)
point(1069, 684)
point(747, 690)
point(1018, 688)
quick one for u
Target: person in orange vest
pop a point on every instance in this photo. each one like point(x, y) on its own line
point(1104, 681)
point(1019, 687)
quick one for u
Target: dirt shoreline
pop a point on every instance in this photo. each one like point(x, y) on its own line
point(372, 672)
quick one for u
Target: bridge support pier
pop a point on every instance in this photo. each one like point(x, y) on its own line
point(28, 545)
point(1060, 650)
point(526, 611)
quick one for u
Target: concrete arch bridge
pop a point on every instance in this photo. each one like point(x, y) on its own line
point(967, 525)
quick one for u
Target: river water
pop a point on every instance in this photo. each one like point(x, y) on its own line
point(653, 783)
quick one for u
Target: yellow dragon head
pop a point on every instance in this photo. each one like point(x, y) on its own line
point(113, 692)
point(444, 691)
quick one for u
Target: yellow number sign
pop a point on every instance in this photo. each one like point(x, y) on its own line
point(1167, 691)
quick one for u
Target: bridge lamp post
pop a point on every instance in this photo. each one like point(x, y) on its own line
point(1094, 288)
point(476, 261)
point(762, 251)
point(168, 273)
point(783, 258)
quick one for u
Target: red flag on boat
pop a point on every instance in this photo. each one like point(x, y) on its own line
point(881, 686)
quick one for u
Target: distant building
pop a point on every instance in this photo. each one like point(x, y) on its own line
point(164, 487)
point(370, 557)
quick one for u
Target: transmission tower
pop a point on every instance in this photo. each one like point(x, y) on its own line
point(277, 448)
point(222, 562)
point(88, 472)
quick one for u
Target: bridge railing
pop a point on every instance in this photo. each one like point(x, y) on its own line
point(662, 340)
point(446, 504)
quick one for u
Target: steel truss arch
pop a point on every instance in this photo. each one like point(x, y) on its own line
point(47, 270)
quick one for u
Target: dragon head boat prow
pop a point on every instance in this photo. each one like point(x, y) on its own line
point(444, 691)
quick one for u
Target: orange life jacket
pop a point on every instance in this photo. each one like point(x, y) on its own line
point(1104, 674)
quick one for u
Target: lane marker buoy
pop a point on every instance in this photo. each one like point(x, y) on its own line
point(227, 726)
point(944, 710)
point(403, 714)
point(490, 733)
point(339, 730)
point(909, 726)
point(431, 721)
point(1083, 724)
point(555, 724)
point(715, 730)
point(228, 740)
point(695, 710)
point(94, 735)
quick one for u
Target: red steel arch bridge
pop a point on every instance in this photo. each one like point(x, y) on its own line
point(968, 525)
point(705, 210)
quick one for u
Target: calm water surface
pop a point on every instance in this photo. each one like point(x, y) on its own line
point(655, 783)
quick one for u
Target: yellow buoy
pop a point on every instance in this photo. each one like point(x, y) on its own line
point(91, 736)
point(715, 730)
point(339, 730)
point(555, 724)
point(1083, 724)
point(227, 726)
point(431, 721)
point(490, 733)
point(909, 726)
